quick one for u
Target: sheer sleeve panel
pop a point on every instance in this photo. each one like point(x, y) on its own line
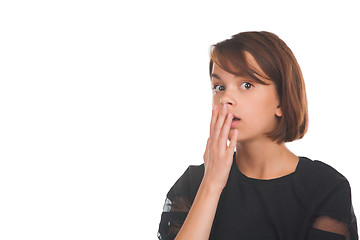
point(329, 224)
point(173, 217)
point(335, 218)
point(178, 203)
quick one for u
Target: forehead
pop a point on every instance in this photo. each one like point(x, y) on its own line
point(242, 65)
point(220, 74)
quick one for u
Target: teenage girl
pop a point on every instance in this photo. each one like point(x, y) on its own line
point(262, 190)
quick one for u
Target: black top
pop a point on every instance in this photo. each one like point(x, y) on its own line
point(281, 208)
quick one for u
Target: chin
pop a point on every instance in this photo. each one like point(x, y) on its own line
point(241, 137)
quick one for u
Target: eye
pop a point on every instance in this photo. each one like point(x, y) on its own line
point(246, 85)
point(218, 88)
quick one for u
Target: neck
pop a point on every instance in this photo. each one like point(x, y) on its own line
point(265, 159)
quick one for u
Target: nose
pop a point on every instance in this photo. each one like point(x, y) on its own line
point(226, 99)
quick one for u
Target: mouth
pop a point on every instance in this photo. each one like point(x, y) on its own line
point(236, 119)
point(235, 122)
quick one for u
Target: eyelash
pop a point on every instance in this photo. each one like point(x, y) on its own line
point(215, 86)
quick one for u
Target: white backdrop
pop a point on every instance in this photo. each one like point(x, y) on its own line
point(104, 104)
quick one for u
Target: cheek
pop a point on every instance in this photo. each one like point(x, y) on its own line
point(258, 110)
point(266, 101)
point(216, 99)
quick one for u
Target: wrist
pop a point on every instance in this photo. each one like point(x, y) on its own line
point(210, 187)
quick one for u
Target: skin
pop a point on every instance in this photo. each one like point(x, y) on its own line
point(257, 156)
point(257, 106)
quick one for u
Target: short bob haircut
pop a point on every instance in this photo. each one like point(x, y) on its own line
point(279, 65)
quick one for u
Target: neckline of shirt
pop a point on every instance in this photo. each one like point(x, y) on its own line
point(247, 179)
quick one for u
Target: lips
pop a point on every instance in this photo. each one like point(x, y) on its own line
point(236, 118)
point(235, 122)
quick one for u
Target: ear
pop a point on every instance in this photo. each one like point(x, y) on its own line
point(278, 111)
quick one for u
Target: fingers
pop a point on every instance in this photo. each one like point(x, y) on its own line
point(224, 134)
point(213, 119)
point(219, 131)
point(219, 123)
point(218, 156)
point(233, 142)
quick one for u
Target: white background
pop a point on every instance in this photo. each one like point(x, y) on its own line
point(104, 104)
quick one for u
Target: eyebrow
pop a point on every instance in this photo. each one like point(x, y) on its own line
point(213, 75)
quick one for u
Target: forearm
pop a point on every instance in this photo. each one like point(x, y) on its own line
point(218, 159)
point(199, 220)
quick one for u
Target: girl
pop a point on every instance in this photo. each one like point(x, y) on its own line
point(262, 190)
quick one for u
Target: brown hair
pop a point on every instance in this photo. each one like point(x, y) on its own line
point(279, 65)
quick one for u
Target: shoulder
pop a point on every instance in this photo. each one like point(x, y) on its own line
point(319, 173)
point(319, 180)
point(189, 182)
point(327, 189)
point(196, 172)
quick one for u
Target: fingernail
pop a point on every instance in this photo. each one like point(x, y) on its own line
point(214, 107)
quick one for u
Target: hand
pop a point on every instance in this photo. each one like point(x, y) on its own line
point(218, 157)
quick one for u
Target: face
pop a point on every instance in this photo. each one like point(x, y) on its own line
point(255, 104)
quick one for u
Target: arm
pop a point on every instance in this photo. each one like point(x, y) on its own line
point(201, 215)
point(217, 160)
point(335, 218)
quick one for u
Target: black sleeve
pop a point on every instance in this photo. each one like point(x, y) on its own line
point(317, 234)
point(178, 202)
point(335, 212)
